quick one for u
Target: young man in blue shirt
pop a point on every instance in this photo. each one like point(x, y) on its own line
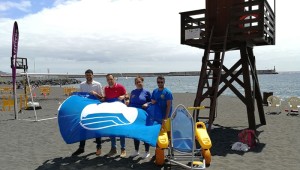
point(163, 97)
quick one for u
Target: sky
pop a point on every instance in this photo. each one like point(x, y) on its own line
point(118, 36)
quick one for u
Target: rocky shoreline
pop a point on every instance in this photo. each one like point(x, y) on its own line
point(38, 82)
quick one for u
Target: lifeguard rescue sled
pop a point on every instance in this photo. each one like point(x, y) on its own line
point(181, 147)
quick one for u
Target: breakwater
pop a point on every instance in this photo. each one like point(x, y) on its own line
point(39, 82)
point(181, 73)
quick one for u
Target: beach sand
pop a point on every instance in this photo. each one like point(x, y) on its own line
point(39, 145)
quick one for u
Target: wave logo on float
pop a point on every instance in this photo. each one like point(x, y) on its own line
point(105, 115)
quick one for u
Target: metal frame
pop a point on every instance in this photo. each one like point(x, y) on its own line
point(174, 156)
point(35, 115)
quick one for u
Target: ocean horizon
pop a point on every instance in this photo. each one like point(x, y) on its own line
point(284, 84)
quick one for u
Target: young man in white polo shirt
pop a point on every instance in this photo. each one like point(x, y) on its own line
point(94, 88)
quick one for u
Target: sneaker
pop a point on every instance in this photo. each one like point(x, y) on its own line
point(78, 152)
point(134, 154)
point(112, 152)
point(98, 151)
point(153, 158)
point(123, 153)
point(146, 155)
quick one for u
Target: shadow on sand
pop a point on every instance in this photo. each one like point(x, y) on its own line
point(84, 162)
point(222, 139)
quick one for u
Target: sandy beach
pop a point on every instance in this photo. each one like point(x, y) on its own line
point(39, 145)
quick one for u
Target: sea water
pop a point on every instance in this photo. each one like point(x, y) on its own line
point(284, 84)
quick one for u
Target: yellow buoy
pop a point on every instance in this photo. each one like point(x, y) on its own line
point(162, 140)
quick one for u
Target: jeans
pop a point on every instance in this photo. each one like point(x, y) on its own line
point(98, 142)
point(137, 144)
point(113, 142)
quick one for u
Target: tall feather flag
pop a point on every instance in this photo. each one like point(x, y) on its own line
point(14, 53)
point(82, 117)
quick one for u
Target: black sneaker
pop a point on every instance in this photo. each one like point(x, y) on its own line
point(112, 152)
point(78, 152)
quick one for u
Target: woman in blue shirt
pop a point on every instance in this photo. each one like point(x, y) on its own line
point(140, 98)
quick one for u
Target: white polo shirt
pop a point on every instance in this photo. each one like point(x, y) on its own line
point(94, 86)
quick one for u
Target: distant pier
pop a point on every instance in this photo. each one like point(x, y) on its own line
point(182, 73)
point(178, 73)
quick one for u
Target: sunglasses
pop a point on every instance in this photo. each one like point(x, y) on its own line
point(160, 82)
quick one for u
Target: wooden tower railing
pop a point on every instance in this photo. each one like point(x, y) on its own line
point(256, 25)
point(252, 23)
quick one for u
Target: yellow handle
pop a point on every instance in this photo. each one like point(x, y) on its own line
point(196, 108)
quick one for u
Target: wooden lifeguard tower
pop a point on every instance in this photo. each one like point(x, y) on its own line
point(223, 26)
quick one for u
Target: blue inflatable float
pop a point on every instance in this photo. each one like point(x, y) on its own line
point(82, 116)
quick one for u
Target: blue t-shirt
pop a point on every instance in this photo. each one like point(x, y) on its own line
point(138, 97)
point(161, 97)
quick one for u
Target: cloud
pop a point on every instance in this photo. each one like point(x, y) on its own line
point(127, 32)
point(22, 5)
point(118, 36)
point(63, 2)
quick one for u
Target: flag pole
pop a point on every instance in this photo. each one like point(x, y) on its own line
point(15, 40)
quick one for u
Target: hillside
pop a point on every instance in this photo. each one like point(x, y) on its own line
point(1, 72)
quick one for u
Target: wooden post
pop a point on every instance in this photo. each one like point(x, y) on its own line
point(247, 86)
